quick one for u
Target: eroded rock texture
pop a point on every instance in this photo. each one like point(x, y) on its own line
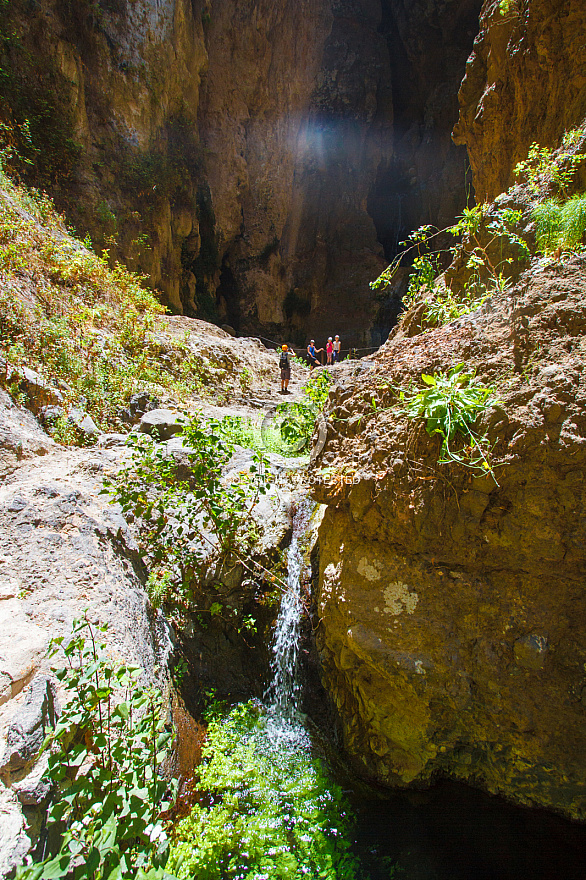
point(525, 81)
point(452, 608)
point(242, 154)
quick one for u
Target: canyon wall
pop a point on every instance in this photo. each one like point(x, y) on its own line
point(525, 82)
point(450, 600)
point(244, 155)
point(452, 604)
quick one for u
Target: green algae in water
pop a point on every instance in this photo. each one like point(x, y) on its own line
point(272, 811)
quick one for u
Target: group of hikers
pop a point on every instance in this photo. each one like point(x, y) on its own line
point(333, 350)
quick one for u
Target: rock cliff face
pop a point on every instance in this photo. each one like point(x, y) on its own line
point(453, 608)
point(525, 81)
point(66, 551)
point(242, 154)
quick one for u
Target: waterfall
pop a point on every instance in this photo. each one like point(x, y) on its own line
point(282, 694)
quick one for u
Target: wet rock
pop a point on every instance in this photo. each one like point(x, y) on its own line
point(161, 423)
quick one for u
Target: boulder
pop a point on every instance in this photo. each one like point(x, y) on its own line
point(22, 646)
point(80, 421)
point(20, 434)
point(138, 405)
point(14, 842)
point(107, 441)
point(84, 424)
point(34, 789)
point(161, 423)
point(30, 725)
point(451, 602)
point(39, 392)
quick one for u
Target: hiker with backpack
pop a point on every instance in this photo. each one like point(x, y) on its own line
point(285, 365)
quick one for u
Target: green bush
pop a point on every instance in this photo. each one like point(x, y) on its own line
point(560, 225)
point(450, 404)
point(189, 526)
point(105, 758)
point(546, 168)
point(266, 809)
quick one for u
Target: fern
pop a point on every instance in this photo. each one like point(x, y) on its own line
point(548, 219)
point(560, 224)
point(574, 221)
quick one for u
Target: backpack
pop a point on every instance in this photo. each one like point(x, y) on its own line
point(284, 361)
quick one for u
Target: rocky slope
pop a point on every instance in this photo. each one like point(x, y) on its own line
point(452, 607)
point(66, 551)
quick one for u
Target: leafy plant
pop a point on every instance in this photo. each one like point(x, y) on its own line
point(425, 271)
point(450, 403)
point(560, 225)
point(105, 759)
point(417, 240)
point(266, 809)
point(509, 8)
point(483, 235)
point(317, 388)
point(245, 378)
point(544, 167)
point(189, 525)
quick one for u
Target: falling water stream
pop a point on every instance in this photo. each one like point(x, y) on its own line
point(451, 832)
point(281, 813)
point(283, 691)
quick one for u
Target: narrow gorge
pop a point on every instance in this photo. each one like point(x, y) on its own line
point(245, 635)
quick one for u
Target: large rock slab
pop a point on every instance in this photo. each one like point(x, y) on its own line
point(534, 50)
point(453, 610)
point(21, 437)
point(22, 645)
point(65, 552)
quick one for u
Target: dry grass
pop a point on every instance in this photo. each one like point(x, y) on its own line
point(91, 329)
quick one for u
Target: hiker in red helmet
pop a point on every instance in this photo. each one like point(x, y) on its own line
point(285, 365)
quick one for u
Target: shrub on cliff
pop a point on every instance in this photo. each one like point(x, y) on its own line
point(85, 325)
point(105, 758)
point(560, 225)
point(190, 526)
